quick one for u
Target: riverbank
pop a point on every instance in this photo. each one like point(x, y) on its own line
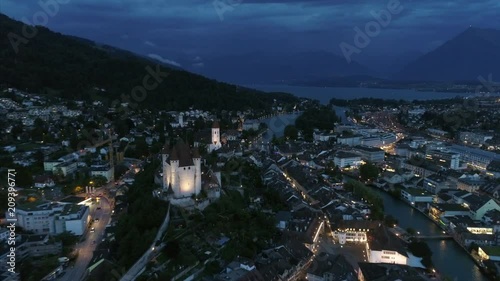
point(480, 265)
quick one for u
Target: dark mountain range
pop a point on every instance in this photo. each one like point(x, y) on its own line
point(72, 67)
point(471, 54)
point(272, 68)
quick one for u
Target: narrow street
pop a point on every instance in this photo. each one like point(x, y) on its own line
point(102, 211)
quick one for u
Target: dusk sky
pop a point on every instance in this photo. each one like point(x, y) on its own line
point(187, 31)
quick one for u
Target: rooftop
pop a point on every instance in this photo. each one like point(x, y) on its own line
point(346, 154)
point(382, 239)
point(389, 272)
point(449, 207)
point(417, 192)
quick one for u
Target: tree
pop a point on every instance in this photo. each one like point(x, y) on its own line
point(172, 249)
point(390, 221)
point(212, 268)
point(368, 171)
point(421, 249)
point(411, 231)
point(291, 132)
point(98, 181)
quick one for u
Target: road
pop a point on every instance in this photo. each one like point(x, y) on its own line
point(87, 246)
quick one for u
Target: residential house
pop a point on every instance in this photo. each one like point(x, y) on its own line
point(439, 210)
point(470, 183)
point(343, 159)
point(492, 218)
point(416, 196)
point(489, 253)
point(103, 169)
point(370, 154)
point(435, 183)
point(388, 272)
point(350, 140)
point(493, 169)
point(385, 247)
point(44, 181)
point(52, 218)
point(479, 205)
point(327, 267)
point(354, 231)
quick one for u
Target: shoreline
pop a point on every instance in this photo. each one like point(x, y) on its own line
point(481, 267)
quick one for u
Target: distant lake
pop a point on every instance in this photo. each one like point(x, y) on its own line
point(324, 94)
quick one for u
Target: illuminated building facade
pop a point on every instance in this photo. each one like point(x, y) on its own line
point(181, 170)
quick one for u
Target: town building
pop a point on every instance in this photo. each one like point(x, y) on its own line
point(493, 169)
point(437, 211)
point(349, 140)
point(491, 253)
point(445, 159)
point(415, 196)
point(436, 182)
point(343, 159)
point(385, 247)
point(103, 169)
point(475, 137)
point(370, 154)
point(53, 218)
point(215, 144)
point(475, 157)
point(44, 181)
point(354, 231)
point(470, 183)
point(388, 272)
point(379, 140)
point(327, 267)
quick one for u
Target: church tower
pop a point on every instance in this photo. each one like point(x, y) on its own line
point(216, 144)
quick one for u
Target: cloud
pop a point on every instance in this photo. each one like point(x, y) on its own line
point(149, 43)
point(198, 64)
point(163, 60)
point(124, 36)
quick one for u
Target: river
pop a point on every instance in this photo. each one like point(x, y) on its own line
point(448, 257)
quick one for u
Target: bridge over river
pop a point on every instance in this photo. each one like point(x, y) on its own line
point(437, 237)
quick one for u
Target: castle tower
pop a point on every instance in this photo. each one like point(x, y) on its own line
point(174, 167)
point(197, 168)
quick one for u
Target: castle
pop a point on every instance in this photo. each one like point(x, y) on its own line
point(181, 170)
